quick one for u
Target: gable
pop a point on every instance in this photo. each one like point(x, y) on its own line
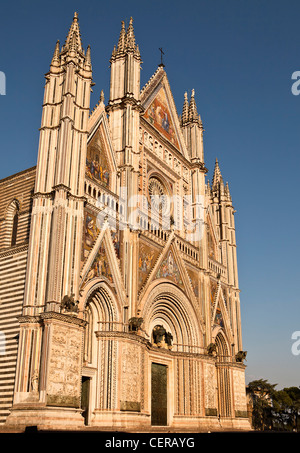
point(101, 166)
point(160, 111)
point(100, 257)
point(212, 239)
point(147, 258)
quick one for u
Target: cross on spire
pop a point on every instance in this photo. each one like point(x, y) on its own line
point(161, 57)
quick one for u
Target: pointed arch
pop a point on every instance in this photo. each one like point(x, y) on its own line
point(166, 304)
point(220, 305)
point(102, 312)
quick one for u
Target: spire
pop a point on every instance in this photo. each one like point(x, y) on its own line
point(185, 110)
point(73, 40)
point(193, 114)
point(217, 178)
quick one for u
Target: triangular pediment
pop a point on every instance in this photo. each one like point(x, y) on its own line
point(160, 110)
point(148, 255)
point(219, 314)
point(170, 266)
point(102, 260)
point(212, 237)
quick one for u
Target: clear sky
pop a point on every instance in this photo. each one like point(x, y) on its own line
point(239, 56)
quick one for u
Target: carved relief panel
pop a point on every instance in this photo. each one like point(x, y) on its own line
point(64, 374)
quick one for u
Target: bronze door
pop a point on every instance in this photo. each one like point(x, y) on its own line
point(159, 406)
point(85, 397)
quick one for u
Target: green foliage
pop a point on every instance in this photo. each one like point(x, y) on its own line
point(274, 409)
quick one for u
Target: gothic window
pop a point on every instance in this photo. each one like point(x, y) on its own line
point(11, 224)
point(14, 229)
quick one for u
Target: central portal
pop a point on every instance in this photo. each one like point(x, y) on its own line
point(159, 406)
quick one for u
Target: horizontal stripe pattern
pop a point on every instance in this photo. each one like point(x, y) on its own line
point(12, 283)
point(16, 190)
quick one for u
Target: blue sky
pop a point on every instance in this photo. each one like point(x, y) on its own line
point(239, 56)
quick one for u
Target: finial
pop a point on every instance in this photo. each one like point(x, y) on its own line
point(75, 16)
point(102, 96)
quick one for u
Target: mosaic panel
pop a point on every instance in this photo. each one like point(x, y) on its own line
point(158, 114)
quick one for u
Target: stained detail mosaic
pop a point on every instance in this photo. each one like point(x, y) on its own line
point(170, 270)
point(158, 114)
point(147, 258)
point(97, 167)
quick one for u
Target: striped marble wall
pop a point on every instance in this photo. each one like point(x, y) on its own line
point(15, 197)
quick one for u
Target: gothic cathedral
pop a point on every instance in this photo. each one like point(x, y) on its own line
point(119, 296)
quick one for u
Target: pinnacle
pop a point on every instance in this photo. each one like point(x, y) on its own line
point(88, 55)
point(126, 40)
point(185, 110)
point(193, 114)
point(121, 43)
point(130, 38)
point(55, 58)
point(217, 178)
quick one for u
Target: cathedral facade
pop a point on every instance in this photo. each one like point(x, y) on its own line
point(119, 295)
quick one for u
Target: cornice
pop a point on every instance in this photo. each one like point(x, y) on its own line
point(71, 319)
point(14, 250)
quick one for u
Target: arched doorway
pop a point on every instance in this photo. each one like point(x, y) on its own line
point(172, 324)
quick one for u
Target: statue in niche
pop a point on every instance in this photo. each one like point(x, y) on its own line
point(162, 338)
point(158, 335)
point(212, 349)
point(35, 381)
point(169, 339)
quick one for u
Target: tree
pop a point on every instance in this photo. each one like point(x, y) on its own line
point(262, 392)
point(274, 409)
point(294, 394)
